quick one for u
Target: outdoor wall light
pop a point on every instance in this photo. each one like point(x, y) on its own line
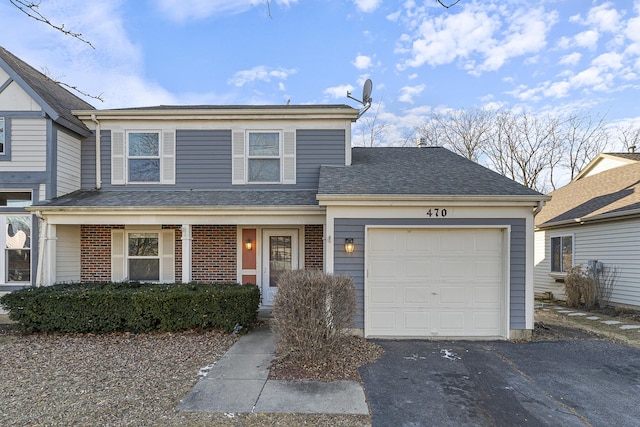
point(248, 245)
point(349, 246)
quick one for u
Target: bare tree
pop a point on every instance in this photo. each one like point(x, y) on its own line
point(585, 136)
point(465, 132)
point(373, 129)
point(629, 137)
point(32, 10)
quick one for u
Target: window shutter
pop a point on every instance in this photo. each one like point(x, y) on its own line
point(118, 158)
point(168, 273)
point(168, 157)
point(117, 256)
point(289, 158)
point(238, 160)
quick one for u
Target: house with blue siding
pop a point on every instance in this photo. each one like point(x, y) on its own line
point(437, 245)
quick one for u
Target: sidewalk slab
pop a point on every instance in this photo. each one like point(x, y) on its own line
point(314, 397)
point(242, 366)
point(222, 396)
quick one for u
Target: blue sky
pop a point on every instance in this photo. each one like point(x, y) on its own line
point(540, 56)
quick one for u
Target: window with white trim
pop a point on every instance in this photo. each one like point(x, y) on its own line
point(264, 156)
point(561, 253)
point(15, 238)
point(143, 160)
point(143, 157)
point(143, 255)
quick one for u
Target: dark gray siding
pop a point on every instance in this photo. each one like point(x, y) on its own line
point(203, 161)
point(353, 264)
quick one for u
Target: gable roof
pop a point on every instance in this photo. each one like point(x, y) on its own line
point(416, 171)
point(55, 101)
point(610, 194)
point(620, 158)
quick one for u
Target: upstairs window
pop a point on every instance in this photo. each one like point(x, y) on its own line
point(264, 157)
point(144, 156)
point(561, 254)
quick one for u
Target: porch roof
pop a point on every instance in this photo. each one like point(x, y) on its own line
point(180, 199)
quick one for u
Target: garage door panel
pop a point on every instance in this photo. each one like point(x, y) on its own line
point(435, 282)
point(417, 295)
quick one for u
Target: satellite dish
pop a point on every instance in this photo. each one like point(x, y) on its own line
point(366, 96)
point(366, 92)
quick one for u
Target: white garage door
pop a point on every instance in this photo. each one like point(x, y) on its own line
point(435, 282)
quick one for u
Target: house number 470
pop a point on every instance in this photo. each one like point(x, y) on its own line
point(437, 212)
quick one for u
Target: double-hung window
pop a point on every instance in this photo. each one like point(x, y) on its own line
point(15, 238)
point(143, 256)
point(143, 156)
point(561, 254)
point(263, 161)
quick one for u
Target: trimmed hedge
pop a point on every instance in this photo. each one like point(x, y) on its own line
point(132, 307)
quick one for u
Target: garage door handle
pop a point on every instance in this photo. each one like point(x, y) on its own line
point(434, 293)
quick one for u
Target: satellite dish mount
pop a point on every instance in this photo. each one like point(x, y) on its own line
point(366, 97)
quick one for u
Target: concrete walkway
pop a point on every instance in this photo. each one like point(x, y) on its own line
point(239, 382)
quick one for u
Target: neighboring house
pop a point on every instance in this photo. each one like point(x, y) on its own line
point(39, 160)
point(595, 217)
point(437, 245)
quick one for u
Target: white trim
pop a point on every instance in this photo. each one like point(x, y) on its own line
point(187, 239)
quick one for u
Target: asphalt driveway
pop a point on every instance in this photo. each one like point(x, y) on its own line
point(445, 383)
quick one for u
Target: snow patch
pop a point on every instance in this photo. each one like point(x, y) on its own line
point(414, 357)
point(203, 372)
point(593, 318)
point(448, 354)
point(577, 314)
point(630, 327)
point(611, 322)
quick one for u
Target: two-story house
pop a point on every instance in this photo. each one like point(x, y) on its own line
point(437, 245)
point(39, 159)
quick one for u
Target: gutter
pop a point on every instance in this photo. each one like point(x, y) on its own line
point(98, 160)
point(611, 216)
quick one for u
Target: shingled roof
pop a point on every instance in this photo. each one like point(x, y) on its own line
point(611, 193)
point(415, 171)
point(55, 100)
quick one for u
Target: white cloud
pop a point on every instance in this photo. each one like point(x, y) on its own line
point(362, 62)
point(367, 5)
point(338, 91)
point(185, 10)
point(570, 59)
point(482, 37)
point(588, 39)
point(604, 17)
point(259, 73)
point(409, 92)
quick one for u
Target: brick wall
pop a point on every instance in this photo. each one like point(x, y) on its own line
point(95, 252)
point(214, 256)
point(313, 247)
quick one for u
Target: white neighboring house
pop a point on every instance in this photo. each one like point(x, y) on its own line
point(595, 217)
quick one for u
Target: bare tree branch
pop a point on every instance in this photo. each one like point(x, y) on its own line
point(30, 8)
point(57, 81)
point(447, 6)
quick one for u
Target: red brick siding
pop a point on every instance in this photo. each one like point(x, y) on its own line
point(214, 254)
point(95, 252)
point(313, 247)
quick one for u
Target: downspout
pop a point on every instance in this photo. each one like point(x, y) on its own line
point(538, 208)
point(41, 247)
point(98, 160)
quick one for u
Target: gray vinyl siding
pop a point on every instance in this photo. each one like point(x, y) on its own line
point(203, 161)
point(353, 264)
point(315, 148)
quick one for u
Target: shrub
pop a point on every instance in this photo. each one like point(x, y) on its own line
point(132, 307)
point(579, 286)
point(606, 278)
point(311, 311)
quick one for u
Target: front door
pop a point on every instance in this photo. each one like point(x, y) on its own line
point(279, 253)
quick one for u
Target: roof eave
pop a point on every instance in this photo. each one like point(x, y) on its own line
point(221, 114)
point(611, 216)
point(458, 199)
